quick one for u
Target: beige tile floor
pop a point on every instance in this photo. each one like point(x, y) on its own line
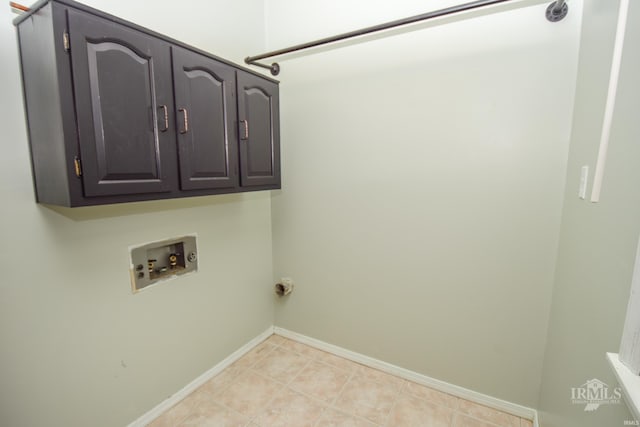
point(284, 383)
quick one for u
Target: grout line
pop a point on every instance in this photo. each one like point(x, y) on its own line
point(162, 407)
point(229, 409)
point(324, 404)
point(393, 406)
point(454, 417)
point(309, 362)
point(482, 420)
point(259, 411)
point(330, 405)
point(433, 402)
point(185, 416)
point(424, 380)
point(351, 415)
point(286, 385)
point(246, 371)
point(357, 369)
point(333, 402)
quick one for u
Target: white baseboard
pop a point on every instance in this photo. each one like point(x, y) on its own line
point(483, 399)
point(193, 385)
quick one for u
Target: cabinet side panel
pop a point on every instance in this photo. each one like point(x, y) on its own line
point(42, 107)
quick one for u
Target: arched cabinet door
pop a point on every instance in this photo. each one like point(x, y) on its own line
point(122, 82)
point(117, 113)
point(259, 131)
point(205, 93)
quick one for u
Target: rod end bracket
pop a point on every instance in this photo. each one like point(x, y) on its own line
point(273, 68)
point(555, 13)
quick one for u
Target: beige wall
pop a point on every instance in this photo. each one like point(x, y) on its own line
point(423, 177)
point(597, 241)
point(77, 348)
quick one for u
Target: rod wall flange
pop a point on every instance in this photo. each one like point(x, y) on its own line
point(273, 68)
point(555, 13)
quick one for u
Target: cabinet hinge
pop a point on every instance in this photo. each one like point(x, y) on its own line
point(78, 166)
point(65, 41)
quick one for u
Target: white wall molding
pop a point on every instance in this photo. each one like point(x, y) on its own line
point(629, 382)
point(206, 376)
point(630, 345)
point(483, 399)
point(614, 76)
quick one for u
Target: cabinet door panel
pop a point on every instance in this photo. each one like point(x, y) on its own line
point(205, 115)
point(259, 131)
point(122, 82)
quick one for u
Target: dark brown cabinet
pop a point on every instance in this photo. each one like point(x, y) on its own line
point(206, 115)
point(122, 83)
point(258, 112)
point(117, 113)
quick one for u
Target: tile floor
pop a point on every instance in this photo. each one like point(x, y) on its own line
point(285, 383)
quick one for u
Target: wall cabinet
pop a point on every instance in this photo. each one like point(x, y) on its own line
point(117, 113)
point(258, 108)
point(206, 119)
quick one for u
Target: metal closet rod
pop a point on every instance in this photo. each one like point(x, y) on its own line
point(555, 12)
